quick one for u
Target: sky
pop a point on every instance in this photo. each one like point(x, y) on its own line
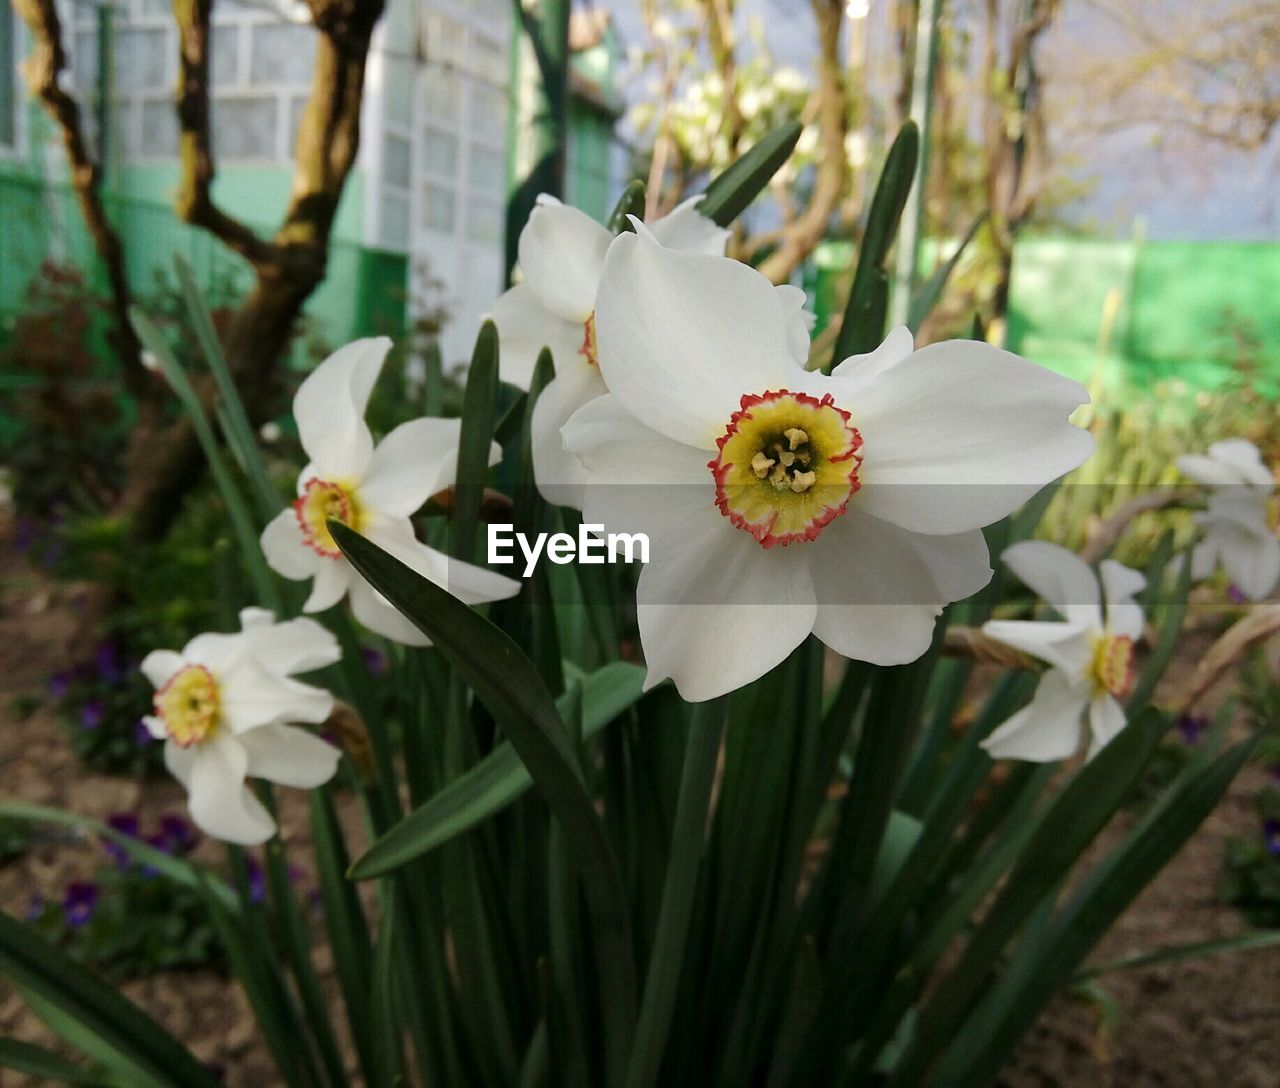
point(1135, 186)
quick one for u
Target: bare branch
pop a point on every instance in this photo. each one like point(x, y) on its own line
point(194, 201)
point(43, 70)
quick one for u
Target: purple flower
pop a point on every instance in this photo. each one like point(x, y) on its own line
point(91, 714)
point(127, 824)
point(141, 734)
point(59, 684)
point(1275, 773)
point(158, 841)
point(1191, 726)
point(1271, 836)
point(79, 902)
point(181, 835)
point(106, 657)
point(257, 880)
point(374, 660)
point(35, 907)
point(24, 534)
point(1235, 594)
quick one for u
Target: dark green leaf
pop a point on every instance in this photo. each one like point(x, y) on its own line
point(926, 297)
point(729, 195)
point(630, 203)
point(479, 405)
point(38, 1062)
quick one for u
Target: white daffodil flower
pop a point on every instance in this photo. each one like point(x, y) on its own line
point(779, 501)
point(562, 253)
point(223, 707)
point(1089, 653)
point(1237, 530)
point(373, 490)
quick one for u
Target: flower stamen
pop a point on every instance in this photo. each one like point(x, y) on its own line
point(190, 705)
point(319, 502)
point(590, 349)
point(1112, 666)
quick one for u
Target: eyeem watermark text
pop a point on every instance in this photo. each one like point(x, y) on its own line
point(591, 545)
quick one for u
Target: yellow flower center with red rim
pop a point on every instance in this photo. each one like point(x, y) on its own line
point(190, 705)
point(590, 349)
point(788, 465)
point(1112, 668)
point(321, 500)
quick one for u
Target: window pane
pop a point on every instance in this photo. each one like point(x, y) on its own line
point(394, 229)
point(224, 56)
point(441, 91)
point(159, 128)
point(8, 91)
point(484, 221)
point(440, 154)
point(282, 53)
point(489, 59)
point(488, 170)
point(395, 161)
point(489, 112)
point(398, 93)
point(84, 65)
point(444, 39)
point(142, 58)
point(437, 208)
point(244, 128)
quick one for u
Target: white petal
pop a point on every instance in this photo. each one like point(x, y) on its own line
point(381, 617)
point(562, 252)
point(960, 434)
point(1047, 729)
point(285, 548)
point(1252, 564)
point(253, 616)
point(1106, 719)
point(252, 697)
point(1207, 470)
point(215, 650)
point(721, 611)
point(1058, 576)
point(1119, 585)
point(1244, 508)
point(155, 726)
point(329, 409)
point(333, 577)
point(685, 228)
point(297, 645)
point(525, 327)
point(289, 756)
point(858, 370)
point(799, 322)
point(220, 804)
point(412, 463)
point(684, 335)
point(160, 666)
point(1243, 456)
point(1064, 646)
point(880, 588)
point(559, 474)
point(638, 481)
point(466, 581)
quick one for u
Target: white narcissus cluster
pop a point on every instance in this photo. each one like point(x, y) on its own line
point(226, 708)
point(1238, 534)
point(372, 489)
point(1090, 653)
point(562, 253)
point(779, 502)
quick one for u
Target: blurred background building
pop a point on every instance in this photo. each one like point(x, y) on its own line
point(419, 233)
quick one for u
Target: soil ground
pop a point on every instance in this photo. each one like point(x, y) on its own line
point(1207, 1023)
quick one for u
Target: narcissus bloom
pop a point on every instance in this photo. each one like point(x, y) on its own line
point(1237, 528)
point(562, 253)
point(780, 502)
point(1090, 653)
point(224, 707)
point(373, 490)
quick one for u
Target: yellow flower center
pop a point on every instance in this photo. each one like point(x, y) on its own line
point(788, 464)
point(590, 349)
point(1111, 667)
point(189, 705)
point(321, 500)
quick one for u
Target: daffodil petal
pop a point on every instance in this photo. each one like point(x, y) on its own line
point(685, 228)
point(374, 611)
point(297, 645)
point(858, 371)
point(799, 322)
point(329, 409)
point(960, 434)
point(160, 666)
point(1060, 577)
point(251, 697)
point(412, 463)
point(562, 252)
point(559, 474)
point(684, 335)
point(285, 548)
point(290, 756)
point(1106, 719)
point(1119, 586)
point(525, 327)
point(1253, 564)
point(1063, 646)
point(333, 578)
point(1046, 729)
point(220, 804)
